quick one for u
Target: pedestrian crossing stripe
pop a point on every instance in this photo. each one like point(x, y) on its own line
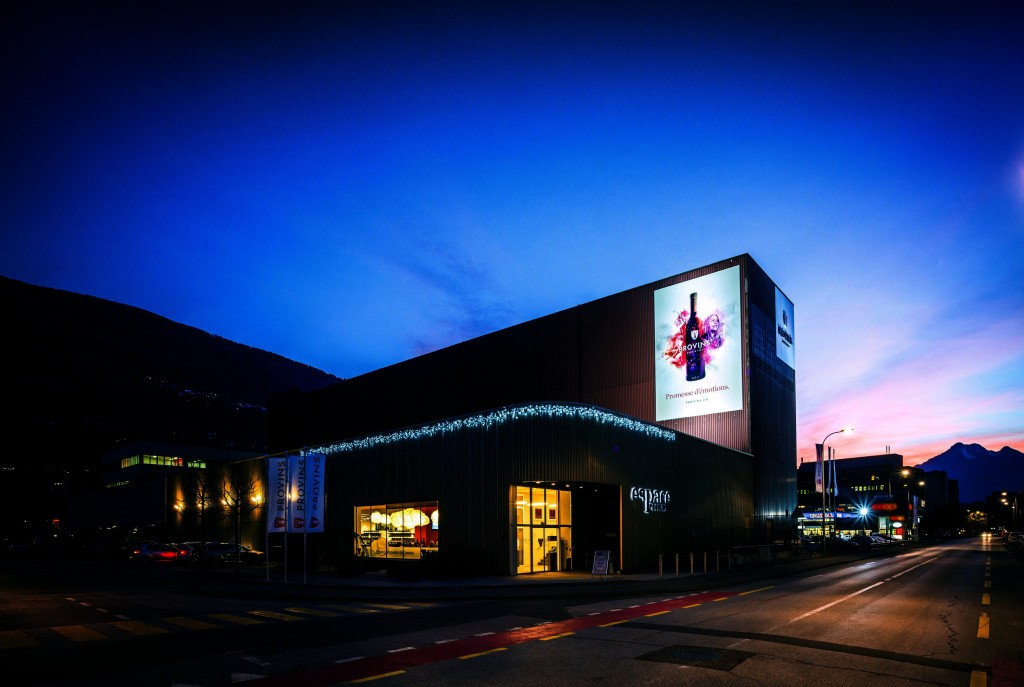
point(275, 615)
point(137, 627)
point(352, 609)
point(79, 633)
point(191, 623)
point(21, 639)
point(236, 619)
point(17, 639)
point(312, 611)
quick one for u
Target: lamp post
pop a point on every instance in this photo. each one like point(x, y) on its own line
point(824, 480)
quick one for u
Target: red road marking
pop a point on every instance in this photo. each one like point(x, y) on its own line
point(389, 663)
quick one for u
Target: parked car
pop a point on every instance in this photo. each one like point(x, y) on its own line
point(185, 552)
point(153, 552)
point(225, 553)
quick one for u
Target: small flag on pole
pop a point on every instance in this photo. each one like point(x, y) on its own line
point(819, 472)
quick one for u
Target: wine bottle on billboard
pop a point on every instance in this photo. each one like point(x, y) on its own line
point(694, 344)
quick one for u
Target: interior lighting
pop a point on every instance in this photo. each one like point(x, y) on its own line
point(500, 417)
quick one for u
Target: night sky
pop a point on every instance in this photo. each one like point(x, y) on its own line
point(353, 184)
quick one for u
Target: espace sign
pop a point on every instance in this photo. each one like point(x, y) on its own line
point(654, 500)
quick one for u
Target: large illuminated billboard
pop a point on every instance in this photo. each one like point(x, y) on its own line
point(785, 346)
point(698, 362)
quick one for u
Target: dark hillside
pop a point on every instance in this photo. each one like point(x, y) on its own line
point(83, 374)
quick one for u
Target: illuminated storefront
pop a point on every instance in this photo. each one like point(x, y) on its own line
point(658, 421)
point(397, 530)
point(543, 529)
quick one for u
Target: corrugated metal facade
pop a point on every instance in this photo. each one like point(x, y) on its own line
point(468, 470)
point(601, 354)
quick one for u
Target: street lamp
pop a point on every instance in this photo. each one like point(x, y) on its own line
point(824, 491)
point(905, 472)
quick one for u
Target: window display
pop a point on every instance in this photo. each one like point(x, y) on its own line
point(402, 530)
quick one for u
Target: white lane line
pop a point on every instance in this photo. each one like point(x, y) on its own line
point(860, 591)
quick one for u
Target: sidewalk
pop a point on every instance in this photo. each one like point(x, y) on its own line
point(276, 581)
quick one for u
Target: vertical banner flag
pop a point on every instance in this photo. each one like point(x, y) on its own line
point(315, 464)
point(819, 472)
point(296, 493)
point(277, 494)
point(835, 482)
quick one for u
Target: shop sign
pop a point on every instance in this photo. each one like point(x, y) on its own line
point(654, 500)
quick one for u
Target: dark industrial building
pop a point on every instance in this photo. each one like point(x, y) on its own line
point(653, 422)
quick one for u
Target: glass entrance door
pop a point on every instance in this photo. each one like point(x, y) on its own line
point(543, 529)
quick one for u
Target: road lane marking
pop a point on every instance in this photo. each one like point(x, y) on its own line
point(753, 591)
point(986, 599)
point(860, 591)
point(483, 653)
point(983, 626)
point(979, 678)
point(377, 677)
point(837, 601)
point(559, 636)
point(614, 622)
point(651, 615)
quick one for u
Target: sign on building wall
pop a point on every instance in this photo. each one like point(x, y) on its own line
point(785, 347)
point(698, 356)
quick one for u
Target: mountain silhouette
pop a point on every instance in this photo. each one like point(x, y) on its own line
point(980, 471)
point(84, 374)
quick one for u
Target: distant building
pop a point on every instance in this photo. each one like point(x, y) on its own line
point(876, 494)
point(137, 495)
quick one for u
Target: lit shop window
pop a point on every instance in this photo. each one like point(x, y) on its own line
point(398, 530)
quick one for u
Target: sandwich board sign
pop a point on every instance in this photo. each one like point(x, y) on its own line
point(602, 562)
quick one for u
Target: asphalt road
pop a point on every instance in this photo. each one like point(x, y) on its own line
point(950, 614)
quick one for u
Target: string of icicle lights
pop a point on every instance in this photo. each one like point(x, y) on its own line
point(504, 415)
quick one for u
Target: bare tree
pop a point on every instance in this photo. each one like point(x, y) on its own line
point(204, 499)
point(241, 493)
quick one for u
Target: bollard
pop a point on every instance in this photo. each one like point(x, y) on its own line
point(659, 566)
point(691, 562)
point(718, 563)
point(677, 565)
point(705, 562)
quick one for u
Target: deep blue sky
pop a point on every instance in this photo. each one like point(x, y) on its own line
point(353, 184)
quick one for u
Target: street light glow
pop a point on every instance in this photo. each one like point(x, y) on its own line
point(824, 491)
